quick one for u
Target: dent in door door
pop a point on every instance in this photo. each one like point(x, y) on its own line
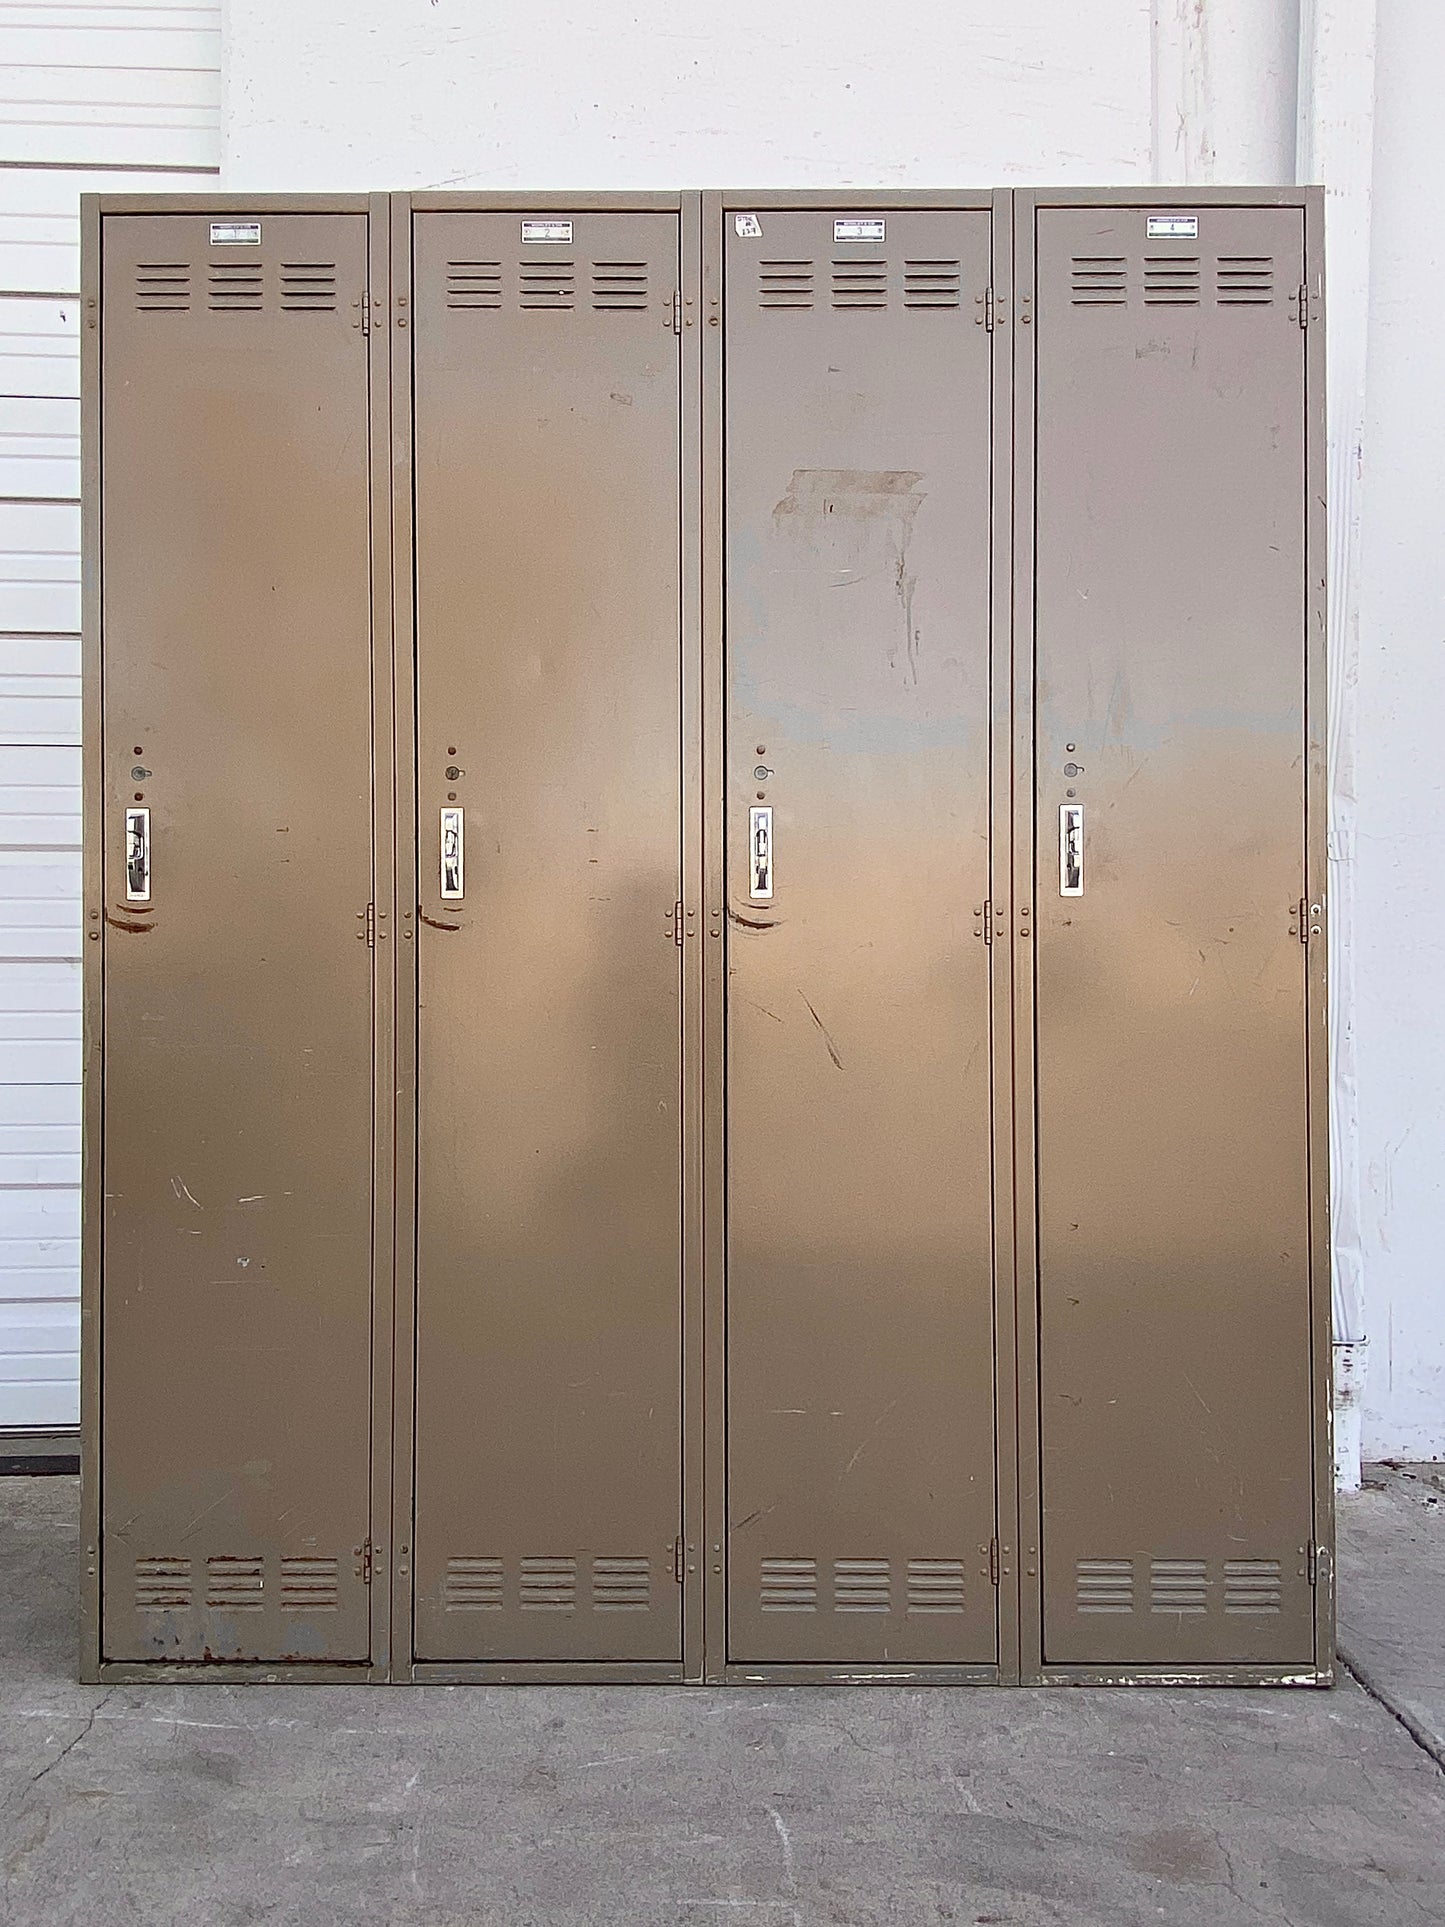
point(859, 1308)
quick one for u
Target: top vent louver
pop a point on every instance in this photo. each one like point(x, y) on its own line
point(234, 287)
point(619, 285)
point(474, 284)
point(931, 284)
point(162, 287)
point(308, 287)
point(860, 284)
point(1171, 281)
point(1099, 281)
point(1244, 280)
point(785, 284)
point(547, 285)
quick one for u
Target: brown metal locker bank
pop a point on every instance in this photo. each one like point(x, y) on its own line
point(705, 1049)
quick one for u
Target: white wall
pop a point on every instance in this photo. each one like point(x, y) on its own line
point(110, 96)
point(391, 93)
point(1400, 772)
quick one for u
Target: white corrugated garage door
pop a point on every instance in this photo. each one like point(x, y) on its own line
point(106, 97)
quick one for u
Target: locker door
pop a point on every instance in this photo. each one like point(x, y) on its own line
point(548, 1447)
point(860, 1309)
point(237, 1251)
point(1172, 1170)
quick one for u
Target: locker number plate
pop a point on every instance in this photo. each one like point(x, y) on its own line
point(872, 230)
point(547, 231)
point(228, 234)
point(1173, 227)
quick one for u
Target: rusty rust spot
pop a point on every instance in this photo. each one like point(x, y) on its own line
point(434, 925)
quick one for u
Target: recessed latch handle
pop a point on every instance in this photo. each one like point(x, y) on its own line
point(760, 855)
point(453, 855)
point(137, 856)
point(1071, 850)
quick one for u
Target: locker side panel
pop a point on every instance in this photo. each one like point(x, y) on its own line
point(859, 1300)
point(548, 1377)
point(237, 996)
point(1173, 1229)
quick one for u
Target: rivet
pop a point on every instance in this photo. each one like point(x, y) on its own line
point(95, 936)
point(401, 321)
point(712, 323)
point(762, 749)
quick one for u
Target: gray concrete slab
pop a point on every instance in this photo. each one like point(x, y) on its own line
point(1392, 1593)
point(653, 1807)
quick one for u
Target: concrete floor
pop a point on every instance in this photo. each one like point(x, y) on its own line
point(653, 1807)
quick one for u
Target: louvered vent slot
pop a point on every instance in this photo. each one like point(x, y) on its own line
point(1171, 281)
point(860, 284)
point(1178, 1586)
point(1244, 280)
point(931, 284)
point(621, 1585)
point(234, 1585)
point(310, 1586)
point(162, 1585)
point(308, 287)
point(548, 284)
point(472, 1586)
point(862, 1586)
point(1099, 281)
point(619, 285)
point(1104, 1585)
point(549, 1585)
point(789, 1586)
point(474, 284)
point(785, 284)
point(163, 287)
point(235, 287)
point(935, 1585)
point(1252, 1586)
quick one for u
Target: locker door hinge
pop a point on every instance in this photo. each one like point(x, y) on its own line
point(993, 1562)
point(371, 926)
point(677, 923)
point(985, 301)
point(366, 311)
point(363, 1562)
point(983, 927)
point(1304, 305)
point(677, 311)
point(1318, 1565)
point(1309, 915)
point(679, 1559)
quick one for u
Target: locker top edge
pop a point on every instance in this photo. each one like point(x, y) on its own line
point(844, 198)
point(1177, 196)
point(228, 203)
point(519, 201)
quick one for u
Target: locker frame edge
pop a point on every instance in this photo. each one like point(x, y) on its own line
point(93, 1669)
point(1035, 1671)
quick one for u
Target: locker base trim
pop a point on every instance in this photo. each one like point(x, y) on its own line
point(1315, 1676)
point(547, 1672)
point(141, 1672)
